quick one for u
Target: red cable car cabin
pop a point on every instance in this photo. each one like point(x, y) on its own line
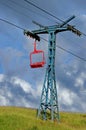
point(37, 64)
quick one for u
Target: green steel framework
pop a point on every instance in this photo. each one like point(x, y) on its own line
point(49, 101)
point(48, 108)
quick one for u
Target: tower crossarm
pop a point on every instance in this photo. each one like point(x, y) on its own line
point(48, 29)
point(56, 28)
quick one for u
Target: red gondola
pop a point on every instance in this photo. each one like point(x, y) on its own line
point(37, 64)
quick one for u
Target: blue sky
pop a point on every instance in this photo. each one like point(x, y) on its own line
point(19, 84)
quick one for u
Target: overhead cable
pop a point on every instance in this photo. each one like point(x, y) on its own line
point(45, 11)
point(74, 30)
point(31, 10)
point(6, 21)
point(68, 51)
point(81, 58)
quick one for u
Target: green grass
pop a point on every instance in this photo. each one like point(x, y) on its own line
point(14, 118)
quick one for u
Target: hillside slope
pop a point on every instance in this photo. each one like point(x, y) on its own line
point(14, 118)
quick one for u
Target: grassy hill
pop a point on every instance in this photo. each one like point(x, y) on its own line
point(14, 118)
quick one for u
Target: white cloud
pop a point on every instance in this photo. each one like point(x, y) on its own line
point(80, 80)
point(28, 88)
point(3, 100)
point(84, 17)
point(66, 96)
point(83, 20)
point(68, 73)
point(69, 100)
point(25, 86)
point(84, 106)
point(1, 77)
point(9, 96)
point(17, 92)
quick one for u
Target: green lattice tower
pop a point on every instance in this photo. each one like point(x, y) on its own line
point(48, 108)
point(49, 103)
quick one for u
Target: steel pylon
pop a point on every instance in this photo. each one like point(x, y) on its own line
point(48, 108)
